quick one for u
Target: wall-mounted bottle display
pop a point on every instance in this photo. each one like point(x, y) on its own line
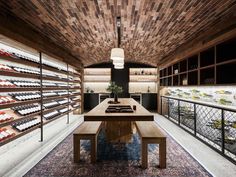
point(143, 80)
point(26, 91)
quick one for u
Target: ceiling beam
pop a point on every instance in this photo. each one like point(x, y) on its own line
point(16, 29)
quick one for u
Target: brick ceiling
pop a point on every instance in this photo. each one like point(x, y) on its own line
point(151, 29)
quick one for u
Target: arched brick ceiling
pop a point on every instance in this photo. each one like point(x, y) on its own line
point(151, 29)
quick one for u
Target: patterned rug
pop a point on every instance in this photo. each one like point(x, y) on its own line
point(117, 160)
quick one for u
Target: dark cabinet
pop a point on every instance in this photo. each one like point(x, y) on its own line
point(90, 101)
point(149, 101)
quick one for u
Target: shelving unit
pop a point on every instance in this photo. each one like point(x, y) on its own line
point(143, 80)
point(62, 79)
point(96, 80)
point(213, 66)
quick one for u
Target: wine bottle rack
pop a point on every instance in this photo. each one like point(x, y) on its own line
point(31, 97)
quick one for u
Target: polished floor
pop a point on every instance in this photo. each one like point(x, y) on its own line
point(212, 161)
point(28, 151)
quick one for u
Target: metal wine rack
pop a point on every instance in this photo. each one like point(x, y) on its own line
point(213, 125)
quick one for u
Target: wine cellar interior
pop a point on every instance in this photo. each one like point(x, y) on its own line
point(117, 88)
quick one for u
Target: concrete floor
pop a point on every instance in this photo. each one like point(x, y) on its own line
point(21, 156)
point(213, 162)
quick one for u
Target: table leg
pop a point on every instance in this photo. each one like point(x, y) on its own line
point(76, 143)
point(94, 149)
point(144, 150)
point(162, 154)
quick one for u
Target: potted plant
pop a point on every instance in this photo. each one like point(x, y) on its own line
point(115, 90)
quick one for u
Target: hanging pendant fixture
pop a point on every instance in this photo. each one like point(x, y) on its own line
point(117, 54)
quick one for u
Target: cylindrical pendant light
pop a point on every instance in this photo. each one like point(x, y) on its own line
point(119, 66)
point(118, 62)
point(117, 54)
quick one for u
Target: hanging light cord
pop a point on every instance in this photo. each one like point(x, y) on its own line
point(118, 25)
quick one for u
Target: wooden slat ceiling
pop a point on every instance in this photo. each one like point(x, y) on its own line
point(151, 29)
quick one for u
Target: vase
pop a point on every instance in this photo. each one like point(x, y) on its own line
point(115, 98)
point(111, 95)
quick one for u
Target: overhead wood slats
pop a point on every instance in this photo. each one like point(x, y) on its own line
point(151, 29)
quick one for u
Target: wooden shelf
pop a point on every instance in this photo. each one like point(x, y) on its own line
point(18, 103)
point(75, 81)
point(50, 68)
point(56, 107)
point(18, 89)
point(20, 61)
point(18, 134)
point(56, 117)
point(34, 76)
point(140, 81)
point(17, 117)
point(213, 66)
point(94, 74)
point(226, 62)
point(19, 74)
point(59, 97)
point(94, 81)
point(54, 79)
point(145, 80)
point(192, 70)
point(74, 74)
point(55, 88)
point(75, 88)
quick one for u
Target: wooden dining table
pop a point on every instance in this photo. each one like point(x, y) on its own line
point(119, 126)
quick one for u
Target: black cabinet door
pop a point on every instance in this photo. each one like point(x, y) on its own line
point(149, 101)
point(90, 101)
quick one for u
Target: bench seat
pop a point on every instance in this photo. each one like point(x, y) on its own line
point(86, 131)
point(151, 134)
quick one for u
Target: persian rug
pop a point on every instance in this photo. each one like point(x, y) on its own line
point(117, 160)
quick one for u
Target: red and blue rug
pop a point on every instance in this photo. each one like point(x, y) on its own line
point(117, 160)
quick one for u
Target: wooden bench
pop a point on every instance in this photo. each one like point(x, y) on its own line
point(86, 131)
point(150, 134)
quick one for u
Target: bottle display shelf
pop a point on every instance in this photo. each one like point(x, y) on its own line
point(25, 101)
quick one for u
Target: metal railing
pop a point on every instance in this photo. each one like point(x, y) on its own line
point(214, 125)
